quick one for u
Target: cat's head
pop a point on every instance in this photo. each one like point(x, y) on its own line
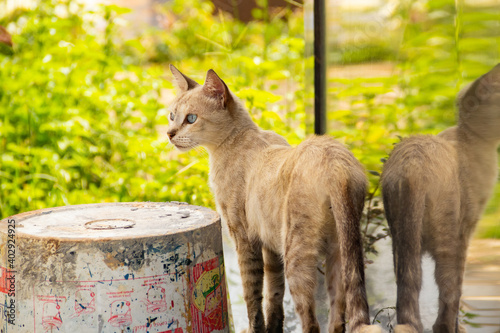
point(201, 114)
point(479, 106)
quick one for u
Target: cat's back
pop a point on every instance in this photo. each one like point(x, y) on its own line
point(324, 150)
point(314, 162)
point(272, 138)
point(424, 160)
point(319, 160)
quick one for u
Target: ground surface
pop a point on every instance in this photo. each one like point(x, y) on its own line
point(481, 290)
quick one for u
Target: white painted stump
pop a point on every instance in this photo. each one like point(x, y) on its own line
point(117, 267)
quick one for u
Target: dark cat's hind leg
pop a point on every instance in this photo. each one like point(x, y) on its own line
point(450, 263)
point(274, 281)
point(301, 257)
point(404, 207)
point(408, 269)
point(336, 321)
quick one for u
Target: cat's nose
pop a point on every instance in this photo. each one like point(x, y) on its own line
point(171, 134)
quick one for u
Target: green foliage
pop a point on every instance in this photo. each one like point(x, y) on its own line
point(468, 317)
point(80, 114)
point(76, 127)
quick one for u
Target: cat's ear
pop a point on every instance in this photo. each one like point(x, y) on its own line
point(216, 88)
point(485, 90)
point(183, 82)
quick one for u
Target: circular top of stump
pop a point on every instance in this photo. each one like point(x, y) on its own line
point(110, 221)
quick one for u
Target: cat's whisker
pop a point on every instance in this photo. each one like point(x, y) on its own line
point(211, 142)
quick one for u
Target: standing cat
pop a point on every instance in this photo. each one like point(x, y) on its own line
point(283, 206)
point(435, 189)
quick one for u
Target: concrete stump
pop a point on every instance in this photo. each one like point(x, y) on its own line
point(116, 267)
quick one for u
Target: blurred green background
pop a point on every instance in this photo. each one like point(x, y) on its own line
point(84, 97)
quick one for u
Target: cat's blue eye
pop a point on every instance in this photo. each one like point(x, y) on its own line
point(171, 116)
point(191, 118)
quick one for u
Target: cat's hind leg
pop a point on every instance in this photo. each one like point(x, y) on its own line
point(301, 257)
point(336, 296)
point(404, 209)
point(274, 281)
point(450, 263)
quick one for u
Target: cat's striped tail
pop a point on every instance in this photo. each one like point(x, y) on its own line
point(347, 205)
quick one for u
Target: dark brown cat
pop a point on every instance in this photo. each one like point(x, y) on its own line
point(284, 207)
point(435, 189)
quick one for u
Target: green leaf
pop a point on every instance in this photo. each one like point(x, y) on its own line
point(118, 9)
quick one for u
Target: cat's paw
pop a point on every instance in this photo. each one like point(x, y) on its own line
point(404, 329)
point(370, 329)
point(244, 330)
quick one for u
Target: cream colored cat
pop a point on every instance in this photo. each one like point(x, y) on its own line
point(284, 207)
point(435, 189)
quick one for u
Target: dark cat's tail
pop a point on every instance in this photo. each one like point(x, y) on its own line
point(404, 206)
point(347, 206)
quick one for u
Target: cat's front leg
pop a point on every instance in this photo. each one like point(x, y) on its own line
point(274, 278)
point(251, 265)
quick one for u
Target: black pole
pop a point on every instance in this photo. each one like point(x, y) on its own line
point(319, 67)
